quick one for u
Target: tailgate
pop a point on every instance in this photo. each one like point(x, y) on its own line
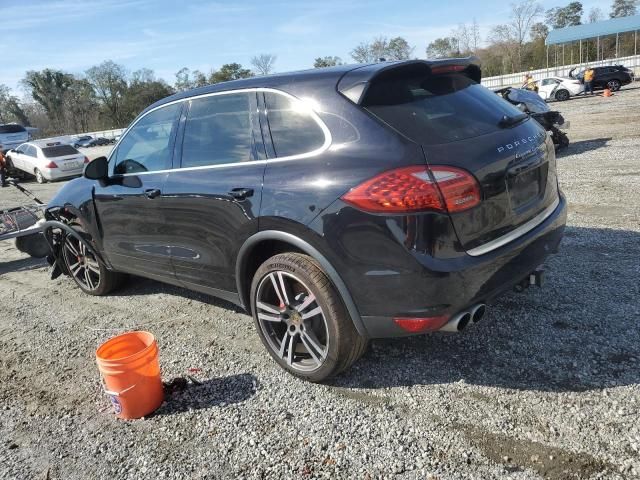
point(517, 175)
point(459, 123)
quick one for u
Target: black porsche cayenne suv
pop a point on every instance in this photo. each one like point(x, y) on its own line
point(336, 205)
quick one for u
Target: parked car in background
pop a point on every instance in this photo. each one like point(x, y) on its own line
point(47, 161)
point(558, 88)
point(83, 141)
point(612, 77)
point(99, 141)
point(336, 205)
point(12, 135)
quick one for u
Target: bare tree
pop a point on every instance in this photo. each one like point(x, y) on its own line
point(263, 63)
point(474, 35)
point(595, 15)
point(512, 37)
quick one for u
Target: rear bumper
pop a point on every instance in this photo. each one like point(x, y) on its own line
point(446, 287)
point(57, 174)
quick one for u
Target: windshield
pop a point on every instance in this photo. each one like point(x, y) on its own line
point(59, 151)
point(437, 109)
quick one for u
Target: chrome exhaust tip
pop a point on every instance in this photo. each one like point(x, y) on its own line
point(457, 323)
point(464, 321)
point(478, 312)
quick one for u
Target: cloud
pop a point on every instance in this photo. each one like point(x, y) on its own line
point(26, 15)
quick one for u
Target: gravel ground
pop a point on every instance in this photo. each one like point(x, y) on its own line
point(546, 386)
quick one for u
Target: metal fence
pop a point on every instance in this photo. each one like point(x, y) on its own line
point(517, 79)
point(102, 133)
point(70, 138)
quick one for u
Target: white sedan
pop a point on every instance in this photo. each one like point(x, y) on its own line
point(47, 161)
point(558, 88)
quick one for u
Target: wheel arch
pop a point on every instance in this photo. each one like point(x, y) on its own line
point(262, 245)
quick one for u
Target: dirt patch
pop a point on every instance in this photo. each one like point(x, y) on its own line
point(518, 453)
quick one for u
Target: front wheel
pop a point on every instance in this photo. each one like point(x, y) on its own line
point(87, 271)
point(301, 319)
point(39, 177)
point(562, 95)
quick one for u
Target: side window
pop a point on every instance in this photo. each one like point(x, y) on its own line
point(31, 151)
point(217, 131)
point(293, 129)
point(547, 81)
point(147, 147)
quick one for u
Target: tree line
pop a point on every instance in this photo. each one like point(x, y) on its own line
point(519, 43)
point(107, 96)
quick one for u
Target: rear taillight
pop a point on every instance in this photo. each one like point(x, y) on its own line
point(51, 164)
point(459, 189)
point(414, 189)
point(86, 160)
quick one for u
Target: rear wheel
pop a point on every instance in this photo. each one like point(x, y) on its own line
point(301, 319)
point(614, 85)
point(562, 95)
point(39, 177)
point(86, 270)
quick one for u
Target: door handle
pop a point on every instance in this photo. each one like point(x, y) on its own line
point(152, 193)
point(241, 193)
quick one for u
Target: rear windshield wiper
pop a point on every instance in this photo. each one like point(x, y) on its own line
point(507, 121)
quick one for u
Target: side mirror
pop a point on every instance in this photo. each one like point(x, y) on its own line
point(97, 169)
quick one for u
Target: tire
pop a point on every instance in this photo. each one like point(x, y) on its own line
point(86, 271)
point(39, 177)
point(614, 85)
point(33, 245)
point(562, 95)
point(311, 346)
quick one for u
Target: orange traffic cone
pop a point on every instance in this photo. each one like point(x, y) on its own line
point(607, 93)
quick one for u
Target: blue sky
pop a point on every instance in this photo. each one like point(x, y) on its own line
point(166, 35)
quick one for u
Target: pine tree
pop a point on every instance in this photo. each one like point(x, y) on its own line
point(623, 8)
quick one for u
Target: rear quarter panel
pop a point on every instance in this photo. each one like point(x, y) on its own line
point(300, 189)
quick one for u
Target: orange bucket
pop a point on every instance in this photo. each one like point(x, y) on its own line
point(131, 372)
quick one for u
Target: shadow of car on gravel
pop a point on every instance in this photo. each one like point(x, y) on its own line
point(582, 146)
point(22, 265)
point(215, 392)
point(578, 332)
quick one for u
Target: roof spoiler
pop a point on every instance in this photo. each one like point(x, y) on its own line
point(354, 84)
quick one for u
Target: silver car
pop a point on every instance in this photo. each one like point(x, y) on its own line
point(47, 161)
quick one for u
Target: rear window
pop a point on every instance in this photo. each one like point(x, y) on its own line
point(59, 151)
point(12, 129)
point(437, 109)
